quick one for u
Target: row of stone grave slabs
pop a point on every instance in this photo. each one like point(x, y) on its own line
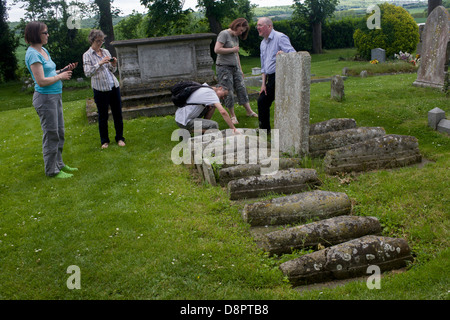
point(345, 244)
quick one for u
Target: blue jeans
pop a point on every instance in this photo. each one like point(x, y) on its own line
point(103, 100)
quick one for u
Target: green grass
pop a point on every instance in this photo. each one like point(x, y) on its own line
point(140, 227)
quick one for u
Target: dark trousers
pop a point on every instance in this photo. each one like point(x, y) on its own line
point(103, 100)
point(265, 102)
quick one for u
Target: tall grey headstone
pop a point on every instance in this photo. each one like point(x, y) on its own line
point(293, 80)
point(433, 69)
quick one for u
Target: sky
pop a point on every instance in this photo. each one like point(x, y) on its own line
point(127, 6)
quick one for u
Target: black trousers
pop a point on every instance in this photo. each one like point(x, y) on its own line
point(265, 102)
point(104, 100)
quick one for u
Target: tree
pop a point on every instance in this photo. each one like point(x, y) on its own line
point(106, 23)
point(433, 4)
point(8, 43)
point(165, 17)
point(315, 12)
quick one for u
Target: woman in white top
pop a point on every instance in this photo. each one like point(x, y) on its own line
point(228, 65)
point(100, 67)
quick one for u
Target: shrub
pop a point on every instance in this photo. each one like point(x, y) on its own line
point(399, 32)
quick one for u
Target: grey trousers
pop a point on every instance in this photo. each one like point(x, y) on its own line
point(232, 78)
point(50, 112)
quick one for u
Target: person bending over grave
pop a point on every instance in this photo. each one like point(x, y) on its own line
point(200, 106)
point(229, 70)
point(274, 42)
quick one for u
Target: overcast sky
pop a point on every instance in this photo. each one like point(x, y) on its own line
point(127, 6)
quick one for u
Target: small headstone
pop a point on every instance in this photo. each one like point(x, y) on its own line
point(363, 74)
point(444, 126)
point(256, 71)
point(378, 54)
point(345, 71)
point(435, 51)
point(434, 117)
point(337, 88)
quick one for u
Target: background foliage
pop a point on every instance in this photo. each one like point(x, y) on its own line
point(399, 32)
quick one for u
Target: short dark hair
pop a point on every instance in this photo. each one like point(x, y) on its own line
point(33, 32)
point(240, 22)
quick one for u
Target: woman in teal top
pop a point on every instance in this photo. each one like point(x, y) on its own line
point(47, 98)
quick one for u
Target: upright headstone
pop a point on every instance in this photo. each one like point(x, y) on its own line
point(433, 69)
point(378, 54)
point(337, 88)
point(434, 117)
point(293, 82)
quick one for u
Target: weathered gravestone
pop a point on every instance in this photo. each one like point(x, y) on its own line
point(326, 232)
point(385, 152)
point(348, 259)
point(437, 120)
point(297, 208)
point(433, 69)
point(337, 88)
point(378, 54)
point(283, 181)
point(292, 92)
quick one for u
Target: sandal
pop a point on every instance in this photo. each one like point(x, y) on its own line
point(121, 143)
point(105, 145)
point(234, 120)
point(253, 115)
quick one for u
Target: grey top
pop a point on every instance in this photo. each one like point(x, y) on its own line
point(229, 41)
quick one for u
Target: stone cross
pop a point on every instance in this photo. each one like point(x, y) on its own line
point(433, 69)
point(292, 89)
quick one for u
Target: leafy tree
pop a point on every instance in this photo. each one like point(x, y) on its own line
point(315, 12)
point(399, 32)
point(65, 45)
point(163, 16)
point(223, 11)
point(8, 43)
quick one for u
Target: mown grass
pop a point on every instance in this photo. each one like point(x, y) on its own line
point(140, 227)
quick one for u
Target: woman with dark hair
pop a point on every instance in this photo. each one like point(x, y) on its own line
point(47, 98)
point(228, 65)
point(100, 66)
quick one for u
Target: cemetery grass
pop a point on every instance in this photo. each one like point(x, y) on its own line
point(141, 227)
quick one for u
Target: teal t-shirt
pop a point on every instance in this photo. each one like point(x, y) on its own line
point(32, 56)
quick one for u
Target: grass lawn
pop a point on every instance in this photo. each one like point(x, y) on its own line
point(140, 227)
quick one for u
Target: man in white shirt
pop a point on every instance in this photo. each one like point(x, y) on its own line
point(200, 106)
